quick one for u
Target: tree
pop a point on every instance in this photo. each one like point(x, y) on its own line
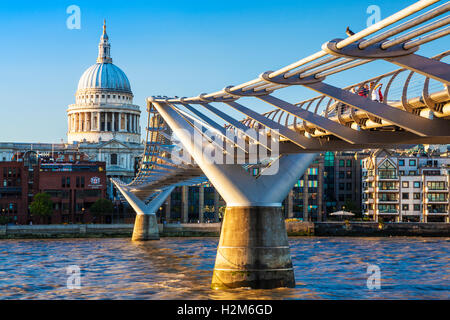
point(101, 207)
point(42, 206)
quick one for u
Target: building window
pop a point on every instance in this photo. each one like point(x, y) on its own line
point(416, 207)
point(416, 184)
point(348, 175)
point(387, 170)
point(341, 174)
point(341, 163)
point(405, 207)
point(113, 158)
point(402, 172)
point(416, 196)
point(412, 162)
point(341, 186)
point(349, 186)
point(401, 162)
point(82, 182)
point(77, 182)
point(405, 184)
point(436, 185)
point(405, 195)
point(349, 163)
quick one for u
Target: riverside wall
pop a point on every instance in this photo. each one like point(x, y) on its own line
point(334, 229)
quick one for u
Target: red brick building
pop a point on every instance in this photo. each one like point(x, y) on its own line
point(73, 186)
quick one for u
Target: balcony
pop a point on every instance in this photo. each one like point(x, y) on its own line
point(437, 200)
point(387, 200)
point(388, 212)
point(388, 189)
point(387, 177)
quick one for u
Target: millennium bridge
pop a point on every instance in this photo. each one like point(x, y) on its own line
point(185, 146)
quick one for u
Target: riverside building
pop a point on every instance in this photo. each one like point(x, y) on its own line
point(400, 187)
point(72, 182)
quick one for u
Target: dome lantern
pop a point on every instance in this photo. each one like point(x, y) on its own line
point(104, 53)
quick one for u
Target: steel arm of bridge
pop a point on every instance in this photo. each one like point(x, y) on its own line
point(236, 186)
point(398, 54)
point(236, 124)
point(406, 120)
point(283, 131)
point(220, 131)
point(226, 149)
point(202, 128)
point(139, 205)
point(343, 132)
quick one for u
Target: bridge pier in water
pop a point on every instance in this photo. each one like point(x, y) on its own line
point(253, 250)
point(145, 224)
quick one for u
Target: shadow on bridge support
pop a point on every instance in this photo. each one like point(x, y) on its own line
point(145, 224)
point(253, 249)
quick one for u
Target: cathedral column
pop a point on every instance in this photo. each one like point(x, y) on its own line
point(135, 124)
point(91, 120)
point(139, 124)
point(106, 121)
point(120, 121)
point(113, 120)
point(80, 126)
point(86, 121)
point(98, 121)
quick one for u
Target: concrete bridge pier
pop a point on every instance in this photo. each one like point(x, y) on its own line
point(145, 225)
point(253, 250)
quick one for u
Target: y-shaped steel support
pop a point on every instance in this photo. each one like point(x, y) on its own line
point(253, 249)
point(145, 225)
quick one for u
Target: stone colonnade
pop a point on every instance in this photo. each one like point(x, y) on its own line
point(104, 121)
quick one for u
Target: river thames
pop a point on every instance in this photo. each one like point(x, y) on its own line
point(181, 268)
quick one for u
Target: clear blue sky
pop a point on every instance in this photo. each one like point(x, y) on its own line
point(168, 47)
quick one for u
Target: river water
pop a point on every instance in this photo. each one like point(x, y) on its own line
point(181, 268)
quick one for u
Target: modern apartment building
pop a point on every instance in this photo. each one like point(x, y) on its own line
point(402, 187)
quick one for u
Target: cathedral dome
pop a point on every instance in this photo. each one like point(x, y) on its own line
point(106, 77)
